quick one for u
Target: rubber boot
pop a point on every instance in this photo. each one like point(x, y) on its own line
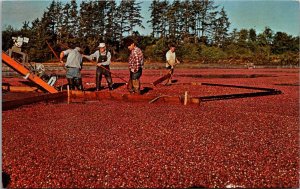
point(111, 86)
point(71, 83)
point(109, 83)
point(136, 86)
point(130, 86)
point(98, 79)
point(169, 82)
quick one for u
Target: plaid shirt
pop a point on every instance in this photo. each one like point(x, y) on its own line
point(136, 59)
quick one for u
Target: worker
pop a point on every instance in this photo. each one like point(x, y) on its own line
point(103, 59)
point(73, 66)
point(171, 62)
point(135, 64)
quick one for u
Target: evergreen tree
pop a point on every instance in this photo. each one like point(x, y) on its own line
point(265, 38)
point(158, 20)
point(52, 18)
point(155, 18)
point(135, 18)
point(86, 30)
point(282, 43)
point(112, 28)
point(252, 44)
point(252, 35)
point(187, 21)
point(129, 17)
point(123, 16)
point(172, 18)
point(39, 49)
point(7, 35)
point(98, 12)
point(74, 20)
point(205, 13)
point(65, 29)
point(243, 37)
point(220, 28)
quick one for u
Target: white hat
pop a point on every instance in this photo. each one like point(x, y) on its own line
point(101, 45)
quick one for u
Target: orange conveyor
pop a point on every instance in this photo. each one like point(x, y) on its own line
point(24, 71)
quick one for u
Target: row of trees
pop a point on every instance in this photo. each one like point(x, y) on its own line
point(195, 19)
point(198, 27)
point(266, 47)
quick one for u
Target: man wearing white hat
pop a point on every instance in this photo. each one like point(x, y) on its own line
point(103, 58)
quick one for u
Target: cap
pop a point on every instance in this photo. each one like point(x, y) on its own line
point(101, 45)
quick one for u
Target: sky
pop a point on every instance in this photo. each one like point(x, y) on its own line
point(279, 15)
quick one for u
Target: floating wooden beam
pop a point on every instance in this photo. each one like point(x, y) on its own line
point(11, 104)
point(20, 89)
point(101, 95)
point(163, 78)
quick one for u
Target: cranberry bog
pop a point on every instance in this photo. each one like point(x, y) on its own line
point(211, 128)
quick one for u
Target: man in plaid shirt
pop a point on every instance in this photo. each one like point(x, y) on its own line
point(135, 64)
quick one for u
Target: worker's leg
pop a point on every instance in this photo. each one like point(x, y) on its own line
point(74, 78)
point(70, 76)
point(130, 84)
point(71, 83)
point(136, 86)
point(136, 81)
point(78, 83)
point(98, 78)
point(169, 81)
point(108, 78)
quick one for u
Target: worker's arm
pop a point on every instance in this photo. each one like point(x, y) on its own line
point(92, 57)
point(61, 56)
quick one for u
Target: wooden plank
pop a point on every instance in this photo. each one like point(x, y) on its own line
point(163, 78)
point(101, 95)
point(11, 104)
point(25, 72)
point(20, 89)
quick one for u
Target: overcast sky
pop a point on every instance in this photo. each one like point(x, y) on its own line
point(281, 15)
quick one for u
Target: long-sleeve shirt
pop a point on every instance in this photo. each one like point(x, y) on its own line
point(74, 59)
point(136, 59)
point(97, 55)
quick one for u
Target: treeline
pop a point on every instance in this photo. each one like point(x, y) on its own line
point(198, 27)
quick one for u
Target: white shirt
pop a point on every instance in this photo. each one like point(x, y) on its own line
point(74, 58)
point(171, 58)
point(97, 55)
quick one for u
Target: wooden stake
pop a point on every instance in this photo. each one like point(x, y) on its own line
point(156, 98)
point(185, 97)
point(68, 89)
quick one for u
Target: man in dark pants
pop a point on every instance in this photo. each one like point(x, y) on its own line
point(103, 58)
point(135, 64)
point(74, 66)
